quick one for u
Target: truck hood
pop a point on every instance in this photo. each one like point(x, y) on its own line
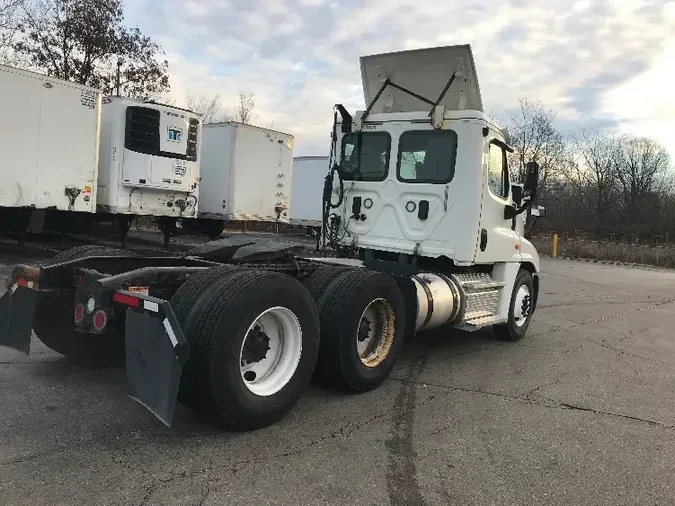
point(424, 72)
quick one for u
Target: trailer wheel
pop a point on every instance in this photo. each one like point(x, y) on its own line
point(183, 302)
point(520, 309)
point(362, 327)
point(257, 339)
point(317, 282)
point(53, 321)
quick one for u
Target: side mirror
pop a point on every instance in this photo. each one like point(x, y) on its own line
point(538, 211)
point(531, 180)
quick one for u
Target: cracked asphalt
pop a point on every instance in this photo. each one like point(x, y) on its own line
point(579, 412)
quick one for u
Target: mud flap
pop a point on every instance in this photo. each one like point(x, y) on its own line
point(17, 307)
point(156, 352)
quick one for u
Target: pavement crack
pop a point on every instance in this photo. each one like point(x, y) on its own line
point(344, 431)
point(605, 318)
point(546, 402)
point(617, 350)
point(648, 421)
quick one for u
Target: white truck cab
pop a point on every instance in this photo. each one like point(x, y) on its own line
point(424, 181)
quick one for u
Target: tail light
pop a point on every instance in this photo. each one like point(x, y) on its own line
point(100, 320)
point(79, 314)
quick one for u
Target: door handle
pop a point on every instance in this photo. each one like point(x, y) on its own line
point(423, 210)
point(483, 239)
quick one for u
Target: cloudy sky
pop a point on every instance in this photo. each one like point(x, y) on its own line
point(609, 62)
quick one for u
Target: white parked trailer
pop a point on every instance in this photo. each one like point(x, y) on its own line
point(149, 162)
point(246, 174)
point(309, 174)
point(49, 140)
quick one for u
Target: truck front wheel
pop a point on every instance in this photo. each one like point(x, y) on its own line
point(362, 326)
point(520, 309)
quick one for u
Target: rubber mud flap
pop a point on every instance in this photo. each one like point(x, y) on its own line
point(16, 318)
point(153, 368)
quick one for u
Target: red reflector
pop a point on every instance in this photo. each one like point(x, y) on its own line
point(127, 300)
point(79, 313)
point(22, 282)
point(100, 320)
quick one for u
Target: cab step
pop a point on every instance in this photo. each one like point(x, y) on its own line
point(482, 297)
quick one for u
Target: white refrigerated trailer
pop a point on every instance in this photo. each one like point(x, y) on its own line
point(49, 140)
point(309, 175)
point(149, 162)
point(246, 175)
point(70, 152)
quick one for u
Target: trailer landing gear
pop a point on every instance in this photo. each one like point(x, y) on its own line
point(123, 225)
point(167, 226)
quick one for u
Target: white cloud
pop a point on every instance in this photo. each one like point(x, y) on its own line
point(300, 57)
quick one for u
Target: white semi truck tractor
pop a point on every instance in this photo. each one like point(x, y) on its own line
point(422, 229)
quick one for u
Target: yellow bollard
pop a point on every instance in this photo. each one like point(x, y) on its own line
point(554, 250)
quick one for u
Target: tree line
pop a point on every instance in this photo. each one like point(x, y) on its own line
point(88, 42)
point(595, 181)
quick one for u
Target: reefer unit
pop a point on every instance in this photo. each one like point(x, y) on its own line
point(246, 173)
point(309, 175)
point(49, 140)
point(149, 162)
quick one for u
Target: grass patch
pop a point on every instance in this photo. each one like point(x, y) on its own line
point(643, 254)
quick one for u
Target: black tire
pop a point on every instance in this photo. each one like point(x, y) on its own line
point(222, 321)
point(510, 331)
point(317, 282)
point(183, 303)
point(53, 321)
point(341, 307)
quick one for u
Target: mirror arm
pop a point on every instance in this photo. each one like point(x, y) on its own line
point(511, 212)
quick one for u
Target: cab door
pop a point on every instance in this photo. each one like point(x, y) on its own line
point(497, 241)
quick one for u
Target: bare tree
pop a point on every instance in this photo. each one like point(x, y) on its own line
point(209, 107)
point(535, 138)
point(243, 112)
point(8, 26)
point(597, 152)
point(641, 168)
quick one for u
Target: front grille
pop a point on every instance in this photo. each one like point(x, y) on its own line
point(142, 130)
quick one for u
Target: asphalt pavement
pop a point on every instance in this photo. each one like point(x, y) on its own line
point(579, 412)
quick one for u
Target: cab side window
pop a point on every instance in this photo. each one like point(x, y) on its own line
point(498, 172)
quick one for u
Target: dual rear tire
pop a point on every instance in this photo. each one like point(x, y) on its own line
point(362, 318)
point(255, 345)
point(254, 342)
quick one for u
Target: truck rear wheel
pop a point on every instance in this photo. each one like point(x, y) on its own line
point(520, 309)
point(319, 280)
point(362, 326)
point(257, 341)
point(183, 302)
point(53, 321)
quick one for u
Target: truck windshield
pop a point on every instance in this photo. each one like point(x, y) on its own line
point(427, 156)
point(365, 156)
